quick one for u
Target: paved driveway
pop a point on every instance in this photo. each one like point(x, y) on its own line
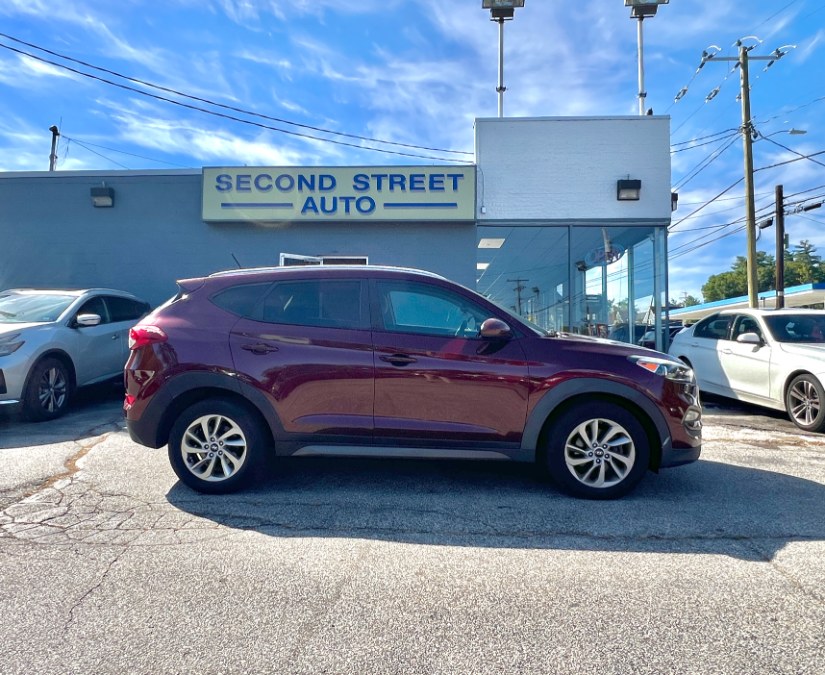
point(109, 565)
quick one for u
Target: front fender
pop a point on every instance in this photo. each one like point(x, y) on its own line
point(589, 386)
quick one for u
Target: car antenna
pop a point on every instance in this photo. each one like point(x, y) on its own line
point(236, 261)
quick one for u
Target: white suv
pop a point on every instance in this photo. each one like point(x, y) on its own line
point(53, 341)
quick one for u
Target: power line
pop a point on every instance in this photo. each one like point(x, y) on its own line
point(84, 144)
point(224, 115)
point(705, 163)
point(229, 107)
point(785, 147)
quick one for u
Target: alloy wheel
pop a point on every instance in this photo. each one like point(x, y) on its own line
point(53, 390)
point(804, 402)
point(600, 453)
point(214, 448)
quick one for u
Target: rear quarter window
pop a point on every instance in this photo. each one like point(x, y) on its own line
point(241, 300)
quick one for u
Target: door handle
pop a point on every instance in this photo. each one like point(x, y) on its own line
point(259, 348)
point(727, 351)
point(398, 359)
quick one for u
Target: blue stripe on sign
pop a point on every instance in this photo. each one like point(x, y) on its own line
point(420, 205)
point(256, 205)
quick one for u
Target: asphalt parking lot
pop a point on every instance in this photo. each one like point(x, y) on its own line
point(109, 565)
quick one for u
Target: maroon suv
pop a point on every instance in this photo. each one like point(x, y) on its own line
point(376, 361)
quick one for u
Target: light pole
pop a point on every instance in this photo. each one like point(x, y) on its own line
point(640, 10)
point(501, 11)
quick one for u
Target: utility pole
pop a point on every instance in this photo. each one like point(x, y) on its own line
point(750, 210)
point(519, 288)
point(53, 155)
point(780, 247)
point(748, 131)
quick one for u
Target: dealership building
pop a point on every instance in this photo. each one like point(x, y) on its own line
point(563, 220)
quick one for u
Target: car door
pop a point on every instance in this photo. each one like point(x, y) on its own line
point(307, 345)
point(437, 383)
point(709, 337)
point(746, 365)
point(98, 350)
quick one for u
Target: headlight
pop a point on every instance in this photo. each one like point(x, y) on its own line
point(672, 370)
point(10, 344)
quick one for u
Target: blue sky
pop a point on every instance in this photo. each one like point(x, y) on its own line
point(418, 74)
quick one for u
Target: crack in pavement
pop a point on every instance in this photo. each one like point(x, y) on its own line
point(100, 582)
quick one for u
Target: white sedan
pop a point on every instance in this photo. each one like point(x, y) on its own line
point(772, 358)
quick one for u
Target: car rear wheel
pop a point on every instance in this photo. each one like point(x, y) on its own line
point(48, 391)
point(805, 403)
point(597, 450)
point(216, 446)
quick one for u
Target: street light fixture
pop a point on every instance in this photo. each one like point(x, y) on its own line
point(501, 11)
point(640, 10)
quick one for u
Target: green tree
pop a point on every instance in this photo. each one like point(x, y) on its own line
point(803, 265)
point(734, 283)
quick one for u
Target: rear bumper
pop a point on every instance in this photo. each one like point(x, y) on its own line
point(147, 429)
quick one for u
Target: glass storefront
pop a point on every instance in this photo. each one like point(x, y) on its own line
point(600, 280)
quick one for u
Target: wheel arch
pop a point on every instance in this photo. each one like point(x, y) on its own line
point(185, 390)
point(589, 390)
point(61, 356)
point(790, 378)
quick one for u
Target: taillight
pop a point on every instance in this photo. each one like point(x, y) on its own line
point(140, 336)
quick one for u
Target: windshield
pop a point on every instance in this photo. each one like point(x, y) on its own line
point(32, 307)
point(797, 327)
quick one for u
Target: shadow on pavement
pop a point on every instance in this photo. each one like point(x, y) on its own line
point(705, 508)
point(94, 406)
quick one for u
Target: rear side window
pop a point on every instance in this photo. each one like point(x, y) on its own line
point(713, 328)
point(331, 303)
point(241, 300)
point(124, 309)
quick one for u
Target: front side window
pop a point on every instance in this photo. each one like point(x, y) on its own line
point(745, 324)
point(417, 308)
point(331, 303)
point(95, 306)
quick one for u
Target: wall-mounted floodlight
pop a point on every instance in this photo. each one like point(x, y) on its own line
point(103, 197)
point(501, 11)
point(628, 190)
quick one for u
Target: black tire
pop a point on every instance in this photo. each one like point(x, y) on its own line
point(48, 390)
point(217, 446)
point(805, 403)
point(579, 452)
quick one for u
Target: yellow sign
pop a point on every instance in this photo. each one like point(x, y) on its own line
point(279, 194)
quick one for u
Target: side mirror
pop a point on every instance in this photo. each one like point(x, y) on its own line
point(749, 339)
point(495, 329)
point(88, 319)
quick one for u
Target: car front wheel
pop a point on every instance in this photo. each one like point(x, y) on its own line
point(597, 450)
point(48, 391)
point(805, 403)
point(216, 446)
